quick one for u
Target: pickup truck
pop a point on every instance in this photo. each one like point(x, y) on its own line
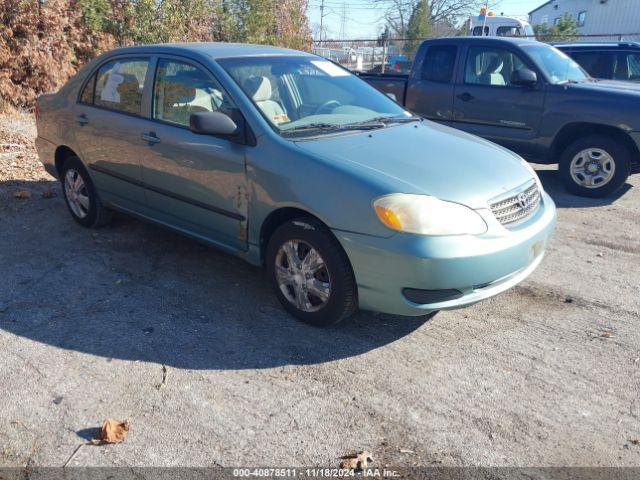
point(530, 98)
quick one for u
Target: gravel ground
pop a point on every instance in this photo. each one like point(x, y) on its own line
point(132, 321)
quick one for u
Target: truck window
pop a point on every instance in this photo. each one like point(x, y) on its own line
point(477, 31)
point(439, 62)
point(491, 66)
point(508, 31)
point(597, 64)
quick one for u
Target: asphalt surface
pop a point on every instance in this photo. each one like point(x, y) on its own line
point(189, 344)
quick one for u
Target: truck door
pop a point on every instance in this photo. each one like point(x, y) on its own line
point(430, 88)
point(487, 104)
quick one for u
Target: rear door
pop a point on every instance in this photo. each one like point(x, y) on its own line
point(430, 89)
point(195, 182)
point(109, 116)
point(487, 104)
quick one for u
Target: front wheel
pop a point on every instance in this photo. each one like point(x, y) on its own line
point(311, 273)
point(595, 166)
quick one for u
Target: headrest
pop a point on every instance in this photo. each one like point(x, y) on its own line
point(258, 88)
point(494, 63)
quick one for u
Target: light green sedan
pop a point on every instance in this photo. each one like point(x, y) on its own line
point(289, 161)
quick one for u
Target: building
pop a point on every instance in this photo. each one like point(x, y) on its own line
point(595, 17)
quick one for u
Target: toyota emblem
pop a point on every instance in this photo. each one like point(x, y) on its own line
point(523, 200)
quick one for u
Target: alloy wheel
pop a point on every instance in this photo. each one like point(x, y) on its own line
point(302, 276)
point(76, 193)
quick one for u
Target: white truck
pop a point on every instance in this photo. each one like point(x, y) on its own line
point(499, 26)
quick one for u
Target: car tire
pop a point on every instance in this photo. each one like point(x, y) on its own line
point(599, 160)
point(81, 196)
point(318, 296)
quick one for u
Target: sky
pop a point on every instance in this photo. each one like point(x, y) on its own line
point(363, 17)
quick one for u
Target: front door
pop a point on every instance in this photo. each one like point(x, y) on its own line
point(109, 114)
point(487, 104)
point(195, 182)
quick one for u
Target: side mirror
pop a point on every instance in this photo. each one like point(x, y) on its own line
point(524, 77)
point(212, 123)
point(392, 96)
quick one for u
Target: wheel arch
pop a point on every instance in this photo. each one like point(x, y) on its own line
point(62, 153)
point(574, 131)
point(276, 218)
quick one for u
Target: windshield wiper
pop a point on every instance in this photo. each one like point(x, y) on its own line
point(324, 127)
point(394, 119)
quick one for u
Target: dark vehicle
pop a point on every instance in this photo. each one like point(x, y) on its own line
point(607, 60)
point(531, 98)
point(403, 67)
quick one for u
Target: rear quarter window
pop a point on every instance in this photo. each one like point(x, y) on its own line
point(439, 62)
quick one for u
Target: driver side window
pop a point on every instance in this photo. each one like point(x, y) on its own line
point(181, 89)
point(491, 66)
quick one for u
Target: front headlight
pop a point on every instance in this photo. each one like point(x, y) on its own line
point(427, 215)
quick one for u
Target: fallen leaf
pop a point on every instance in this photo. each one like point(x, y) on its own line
point(22, 194)
point(48, 194)
point(113, 431)
point(357, 461)
point(606, 334)
point(635, 441)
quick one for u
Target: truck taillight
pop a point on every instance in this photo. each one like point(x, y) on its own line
point(36, 111)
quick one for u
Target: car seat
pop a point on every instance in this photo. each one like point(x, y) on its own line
point(259, 89)
point(491, 72)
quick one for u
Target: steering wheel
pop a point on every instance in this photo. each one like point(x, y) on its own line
point(326, 105)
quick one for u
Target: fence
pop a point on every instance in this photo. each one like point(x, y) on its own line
point(396, 55)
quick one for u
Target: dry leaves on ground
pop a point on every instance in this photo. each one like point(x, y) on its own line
point(357, 461)
point(113, 431)
point(22, 194)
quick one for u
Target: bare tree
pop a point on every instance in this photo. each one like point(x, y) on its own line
point(443, 12)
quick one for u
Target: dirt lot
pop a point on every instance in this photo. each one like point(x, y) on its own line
point(132, 321)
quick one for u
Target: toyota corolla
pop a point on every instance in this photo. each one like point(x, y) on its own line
point(289, 161)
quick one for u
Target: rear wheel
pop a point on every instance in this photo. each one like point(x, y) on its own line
point(311, 273)
point(81, 196)
point(595, 166)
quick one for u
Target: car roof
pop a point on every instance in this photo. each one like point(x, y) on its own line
point(603, 45)
point(211, 49)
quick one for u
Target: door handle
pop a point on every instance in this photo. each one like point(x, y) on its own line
point(465, 97)
point(82, 119)
point(150, 137)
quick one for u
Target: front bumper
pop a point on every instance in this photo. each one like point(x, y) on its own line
point(478, 266)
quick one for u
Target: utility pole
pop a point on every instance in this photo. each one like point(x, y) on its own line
point(321, 17)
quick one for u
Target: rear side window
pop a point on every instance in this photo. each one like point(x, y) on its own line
point(439, 62)
point(119, 85)
point(182, 89)
point(597, 64)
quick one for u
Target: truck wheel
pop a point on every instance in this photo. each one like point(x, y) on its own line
point(595, 166)
point(311, 273)
point(81, 196)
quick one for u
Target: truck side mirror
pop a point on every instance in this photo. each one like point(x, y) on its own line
point(212, 123)
point(524, 77)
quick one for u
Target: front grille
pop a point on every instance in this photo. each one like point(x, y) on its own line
point(518, 205)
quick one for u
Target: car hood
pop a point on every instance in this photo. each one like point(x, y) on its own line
point(427, 158)
point(615, 86)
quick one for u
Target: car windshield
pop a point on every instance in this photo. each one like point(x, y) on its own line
point(558, 67)
point(310, 95)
